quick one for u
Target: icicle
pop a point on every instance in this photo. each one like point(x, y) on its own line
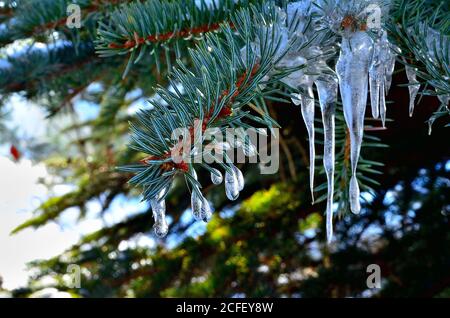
point(430, 126)
point(390, 66)
point(382, 105)
point(296, 99)
point(216, 177)
point(374, 86)
point(327, 89)
point(444, 99)
point(159, 214)
point(307, 110)
point(413, 87)
point(196, 205)
point(380, 76)
point(231, 186)
point(239, 177)
point(352, 69)
point(376, 76)
point(205, 211)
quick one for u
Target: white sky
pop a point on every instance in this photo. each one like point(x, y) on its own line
point(19, 193)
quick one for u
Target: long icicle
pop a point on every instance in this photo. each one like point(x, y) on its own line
point(327, 90)
point(352, 69)
point(307, 110)
point(383, 104)
point(376, 75)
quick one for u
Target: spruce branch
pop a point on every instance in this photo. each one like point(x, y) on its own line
point(421, 31)
point(224, 78)
point(33, 18)
point(154, 25)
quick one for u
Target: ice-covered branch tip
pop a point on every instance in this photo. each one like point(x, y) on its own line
point(207, 121)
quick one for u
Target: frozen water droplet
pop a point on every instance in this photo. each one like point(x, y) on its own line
point(231, 186)
point(206, 212)
point(261, 131)
point(160, 227)
point(249, 149)
point(413, 87)
point(216, 177)
point(196, 205)
point(307, 110)
point(239, 178)
point(158, 205)
point(295, 99)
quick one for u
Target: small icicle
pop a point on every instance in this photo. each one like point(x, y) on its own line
point(374, 86)
point(196, 205)
point(206, 212)
point(390, 66)
point(376, 76)
point(327, 89)
point(382, 105)
point(413, 87)
point(352, 69)
point(307, 110)
point(216, 176)
point(295, 99)
point(231, 186)
point(444, 99)
point(159, 214)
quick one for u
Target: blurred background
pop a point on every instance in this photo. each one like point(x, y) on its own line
point(71, 225)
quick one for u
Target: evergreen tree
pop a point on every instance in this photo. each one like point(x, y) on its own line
point(224, 64)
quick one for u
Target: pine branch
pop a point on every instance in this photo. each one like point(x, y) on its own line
point(421, 30)
point(33, 18)
point(26, 70)
point(156, 25)
point(222, 81)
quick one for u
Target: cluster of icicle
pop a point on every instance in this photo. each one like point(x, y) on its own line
point(364, 66)
point(434, 42)
point(362, 63)
point(201, 209)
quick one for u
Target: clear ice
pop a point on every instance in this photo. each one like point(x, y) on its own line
point(231, 186)
point(158, 205)
point(352, 69)
point(307, 110)
point(413, 87)
point(216, 176)
point(327, 89)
